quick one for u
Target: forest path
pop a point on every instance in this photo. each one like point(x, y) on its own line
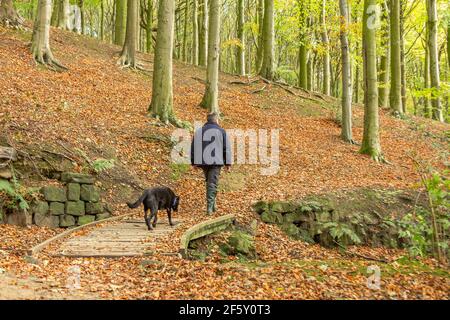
point(127, 238)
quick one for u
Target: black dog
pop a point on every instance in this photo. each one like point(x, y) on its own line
point(156, 199)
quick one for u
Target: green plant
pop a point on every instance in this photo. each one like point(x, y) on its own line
point(178, 169)
point(13, 197)
point(101, 164)
point(427, 229)
point(339, 231)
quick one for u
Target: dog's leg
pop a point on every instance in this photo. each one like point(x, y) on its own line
point(169, 215)
point(147, 219)
point(155, 220)
point(154, 212)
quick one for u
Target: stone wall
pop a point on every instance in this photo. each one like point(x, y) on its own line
point(75, 203)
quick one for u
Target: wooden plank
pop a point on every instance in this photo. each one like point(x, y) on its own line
point(204, 228)
point(34, 250)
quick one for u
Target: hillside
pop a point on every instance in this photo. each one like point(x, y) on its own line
point(98, 110)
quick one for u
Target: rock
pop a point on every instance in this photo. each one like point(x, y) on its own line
point(282, 206)
point(102, 216)
point(272, 217)
point(5, 173)
point(276, 206)
point(73, 191)
point(94, 208)
point(66, 221)
point(293, 217)
point(46, 220)
point(56, 208)
point(260, 207)
point(17, 218)
point(39, 207)
point(290, 229)
point(242, 242)
point(89, 193)
point(77, 178)
point(86, 219)
point(75, 208)
point(52, 193)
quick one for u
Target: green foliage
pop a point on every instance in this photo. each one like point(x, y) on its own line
point(178, 169)
point(287, 74)
point(13, 195)
point(101, 164)
point(418, 228)
point(339, 231)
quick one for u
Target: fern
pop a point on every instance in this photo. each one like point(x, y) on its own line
point(340, 230)
point(100, 164)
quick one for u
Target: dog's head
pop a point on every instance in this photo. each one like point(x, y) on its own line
point(175, 203)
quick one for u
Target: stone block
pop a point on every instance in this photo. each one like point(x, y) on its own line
point(53, 193)
point(56, 208)
point(75, 208)
point(77, 178)
point(89, 193)
point(73, 191)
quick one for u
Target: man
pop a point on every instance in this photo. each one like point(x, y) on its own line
point(210, 151)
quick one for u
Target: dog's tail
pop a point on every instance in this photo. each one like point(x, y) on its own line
point(138, 202)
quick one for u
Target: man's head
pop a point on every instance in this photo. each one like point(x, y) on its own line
point(213, 117)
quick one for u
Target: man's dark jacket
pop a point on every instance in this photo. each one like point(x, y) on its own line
point(213, 138)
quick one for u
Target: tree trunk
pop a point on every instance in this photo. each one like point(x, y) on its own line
point(185, 31)
point(302, 51)
point(102, 20)
point(346, 133)
point(267, 69)
point(9, 15)
point(83, 18)
point(149, 27)
point(395, 98)
point(40, 43)
point(194, 32)
point(357, 74)
point(240, 59)
point(402, 57)
point(426, 79)
point(161, 106)
point(120, 22)
point(383, 83)
point(211, 97)
point(260, 20)
point(203, 36)
point(326, 56)
point(371, 141)
point(434, 59)
point(63, 7)
point(128, 55)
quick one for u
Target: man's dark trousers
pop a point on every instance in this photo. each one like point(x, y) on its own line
point(212, 174)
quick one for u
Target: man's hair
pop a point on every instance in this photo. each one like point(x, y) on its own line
point(212, 117)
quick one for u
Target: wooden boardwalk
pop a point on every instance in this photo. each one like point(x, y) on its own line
point(127, 238)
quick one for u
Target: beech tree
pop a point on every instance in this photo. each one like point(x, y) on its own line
point(128, 54)
point(268, 68)
point(40, 43)
point(434, 59)
point(240, 53)
point(346, 133)
point(395, 98)
point(210, 99)
point(120, 21)
point(326, 55)
point(371, 140)
point(9, 15)
point(161, 106)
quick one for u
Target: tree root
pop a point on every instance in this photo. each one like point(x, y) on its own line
point(46, 58)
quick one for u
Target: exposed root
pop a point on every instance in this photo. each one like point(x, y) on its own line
point(45, 57)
